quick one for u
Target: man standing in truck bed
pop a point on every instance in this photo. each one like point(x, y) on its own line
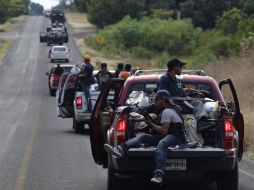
point(86, 79)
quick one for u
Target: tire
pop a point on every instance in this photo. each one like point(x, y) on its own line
point(113, 182)
point(51, 92)
point(228, 180)
point(78, 127)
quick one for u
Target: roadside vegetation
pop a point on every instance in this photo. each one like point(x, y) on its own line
point(12, 8)
point(215, 35)
point(12, 23)
point(5, 45)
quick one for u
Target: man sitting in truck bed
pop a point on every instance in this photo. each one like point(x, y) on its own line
point(167, 133)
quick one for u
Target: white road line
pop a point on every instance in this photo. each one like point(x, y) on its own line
point(246, 173)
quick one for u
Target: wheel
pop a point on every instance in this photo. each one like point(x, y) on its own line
point(78, 127)
point(113, 182)
point(228, 180)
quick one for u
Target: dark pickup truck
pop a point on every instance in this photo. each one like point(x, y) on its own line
point(218, 162)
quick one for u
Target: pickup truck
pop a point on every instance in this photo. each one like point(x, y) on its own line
point(218, 162)
point(53, 79)
point(72, 101)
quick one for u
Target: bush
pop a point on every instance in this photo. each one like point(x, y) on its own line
point(225, 47)
point(228, 23)
point(156, 35)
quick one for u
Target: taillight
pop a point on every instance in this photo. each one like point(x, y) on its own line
point(53, 76)
point(121, 128)
point(71, 81)
point(229, 144)
point(79, 102)
point(229, 130)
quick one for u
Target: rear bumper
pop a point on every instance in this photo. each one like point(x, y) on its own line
point(131, 165)
point(83, 117)
point(59, 57)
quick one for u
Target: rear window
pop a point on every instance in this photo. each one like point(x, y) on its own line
point(60, 49)
point(150, 86)
point(67, 69)
point(135, 90)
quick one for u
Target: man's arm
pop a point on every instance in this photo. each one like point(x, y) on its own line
point(163, 130)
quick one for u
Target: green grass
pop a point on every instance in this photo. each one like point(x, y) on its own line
point(12, 23)
point(5, 46)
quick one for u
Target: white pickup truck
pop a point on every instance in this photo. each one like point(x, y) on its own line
point(72, 102)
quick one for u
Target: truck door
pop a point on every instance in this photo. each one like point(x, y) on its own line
point(100, 117)
point(227, 88)
point(67, 95)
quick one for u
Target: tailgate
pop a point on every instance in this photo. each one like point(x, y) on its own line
point(204, 152)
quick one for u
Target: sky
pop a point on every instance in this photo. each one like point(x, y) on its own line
point(47, 4)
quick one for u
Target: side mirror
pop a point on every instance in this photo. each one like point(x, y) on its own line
point(47, 73)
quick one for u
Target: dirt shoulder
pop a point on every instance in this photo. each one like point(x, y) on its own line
point(6, 35)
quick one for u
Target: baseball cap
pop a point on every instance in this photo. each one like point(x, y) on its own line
point(163, 94)
point(103, 64)
point(174, 63)
point(87, 57)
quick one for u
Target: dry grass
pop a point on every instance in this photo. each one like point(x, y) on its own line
point(5, 45)
point(12, 23)
point(241, 71)
point(78, 20)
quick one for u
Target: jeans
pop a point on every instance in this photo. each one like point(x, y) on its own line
point(86, 90)
point(161, 151)
point(161, 142)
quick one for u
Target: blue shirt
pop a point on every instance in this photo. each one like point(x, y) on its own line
point(172, 85)
point(88, 69)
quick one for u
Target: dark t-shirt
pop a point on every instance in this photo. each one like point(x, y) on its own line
point(58, 71)
point(172, 85)
point(87, 71)
point(103, 77)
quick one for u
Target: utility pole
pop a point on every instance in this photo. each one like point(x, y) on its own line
point(178, 10)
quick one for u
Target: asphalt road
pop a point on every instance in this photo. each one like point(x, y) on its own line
point(39, 151)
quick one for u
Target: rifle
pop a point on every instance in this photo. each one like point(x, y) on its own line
point(145, 114)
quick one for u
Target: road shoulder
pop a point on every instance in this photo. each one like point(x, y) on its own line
point(8, 34)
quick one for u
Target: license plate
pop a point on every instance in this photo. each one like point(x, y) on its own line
point(176, 165)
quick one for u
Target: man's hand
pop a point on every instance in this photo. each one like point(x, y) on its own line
point(149, 121)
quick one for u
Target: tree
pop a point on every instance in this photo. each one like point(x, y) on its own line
point(36, 9)
point(12, 8)
point(247, 6)
point(205, 12)
point(228, 23)
point(104, 12)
